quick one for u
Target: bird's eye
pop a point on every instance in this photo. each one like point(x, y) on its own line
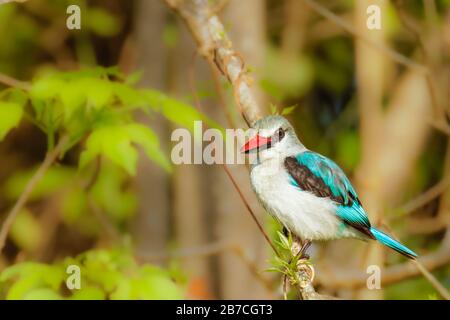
point(280, 134)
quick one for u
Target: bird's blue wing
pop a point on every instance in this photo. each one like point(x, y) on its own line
point(321, 176)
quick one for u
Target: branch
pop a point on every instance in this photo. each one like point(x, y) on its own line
point(215, 47)
point(50, 158)
point(11, 82)
point(422, 199)
point(224, 166)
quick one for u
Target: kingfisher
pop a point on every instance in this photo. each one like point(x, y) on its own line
point(306, 192)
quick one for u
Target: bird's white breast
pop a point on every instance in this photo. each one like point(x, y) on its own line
point(303, 213)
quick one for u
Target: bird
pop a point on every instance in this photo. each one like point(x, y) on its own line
point(308, 193)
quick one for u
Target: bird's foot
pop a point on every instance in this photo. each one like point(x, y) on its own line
point(305, 270)
point(300, 248)
point(303, 250)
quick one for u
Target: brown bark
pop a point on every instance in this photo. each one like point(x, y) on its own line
point(151, 225)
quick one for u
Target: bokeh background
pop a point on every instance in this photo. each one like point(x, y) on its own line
point(375, 101)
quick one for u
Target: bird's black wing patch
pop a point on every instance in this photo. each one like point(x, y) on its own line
point(306, 180)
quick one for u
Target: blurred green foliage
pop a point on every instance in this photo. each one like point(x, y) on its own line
point(112, 274)
point(94, 107)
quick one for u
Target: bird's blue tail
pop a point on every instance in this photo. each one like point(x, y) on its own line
point(393, 244)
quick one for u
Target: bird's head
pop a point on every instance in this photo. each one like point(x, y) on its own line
point(275, 137)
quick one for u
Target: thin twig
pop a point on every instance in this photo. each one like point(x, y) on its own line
point(225, 167)
point(214, 45)
point(247, 205)
point(221, 94)
point(11, 82)
point(428, 276)
point(50, 158)
point(233, 181)
point(422, 199)
point(432, 279)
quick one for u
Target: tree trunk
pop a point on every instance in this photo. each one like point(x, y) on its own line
point(151, 225)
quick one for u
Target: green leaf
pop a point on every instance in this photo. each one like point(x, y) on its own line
point(98, 91)
point(54, 179)
point(129, 96)
point(177, 111)
point(122, 291)
point(288, 110)
point(29, 276)
point(88, 293)
point(274, 269)
point(46, 88)
point(102, 22)
point(106, 273)
point(16, 270)
point(114, 143)
point(42, 294)
point(73, 97)
point(10, 115)
point(284, 240)
point(26, 231)
point(133, 78)
point(273, 109)
point(151, 283)
point(23, 285)
point(145, 137)
point(119, 203)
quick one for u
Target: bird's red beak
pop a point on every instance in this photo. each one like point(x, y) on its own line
point(255, 143)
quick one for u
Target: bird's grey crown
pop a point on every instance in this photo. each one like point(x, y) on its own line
point(272, 122)
point(290, 145)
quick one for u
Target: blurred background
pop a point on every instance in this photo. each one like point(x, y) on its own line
point(375, 101)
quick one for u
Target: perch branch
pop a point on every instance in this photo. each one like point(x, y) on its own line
point(215, 46)
point(224, 166)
